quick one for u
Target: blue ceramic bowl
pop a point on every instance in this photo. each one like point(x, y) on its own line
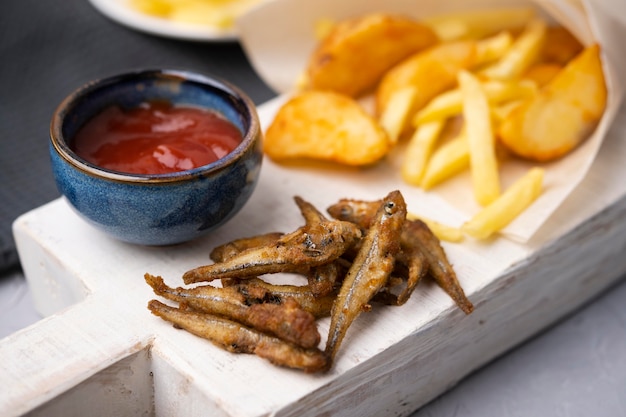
point(159, 209)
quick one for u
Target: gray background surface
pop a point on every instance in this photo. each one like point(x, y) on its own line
point(47, 49)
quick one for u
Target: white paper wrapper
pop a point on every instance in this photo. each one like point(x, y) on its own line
point(278, 38)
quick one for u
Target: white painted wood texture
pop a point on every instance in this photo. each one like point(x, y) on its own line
point(100, 351)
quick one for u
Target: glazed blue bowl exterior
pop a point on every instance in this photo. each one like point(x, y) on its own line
point(159, 209)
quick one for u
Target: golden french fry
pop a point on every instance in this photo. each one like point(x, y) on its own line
point(507, 207)
point(396, 113)
point(446, 161)
point(450, 103)
point(521, 55)
point(562, 115)
point(442, 231)
point(493, 48)
point(327, 126)
point(204, 14)
point(501, 112)
point(481, 140)
point(418, 151)
point(502, 92)
point(432, 71)
point(478, 24)
point(219, 14)
point(440, 107)
point(160, 8)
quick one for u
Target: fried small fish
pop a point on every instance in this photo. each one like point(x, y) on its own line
point(285, 319)
point(322, 279)
point(315, 243)
point(370, 271)
point(237, 338)
point(415, 234)
point(410, 268)
point(318, 306)
point(229, 249)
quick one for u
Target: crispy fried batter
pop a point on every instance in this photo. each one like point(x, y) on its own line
point(318, 306)
point(286, 320)
point(324, 279)
point(238, 338)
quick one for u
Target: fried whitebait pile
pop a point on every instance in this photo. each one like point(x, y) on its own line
point(367, 251)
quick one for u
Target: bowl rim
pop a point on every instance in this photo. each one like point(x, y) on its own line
point(62, 148)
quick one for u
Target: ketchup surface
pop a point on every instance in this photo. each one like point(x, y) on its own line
point(155, 138)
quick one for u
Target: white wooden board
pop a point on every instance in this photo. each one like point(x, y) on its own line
point(99, 350)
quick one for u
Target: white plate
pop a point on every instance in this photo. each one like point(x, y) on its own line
point(121, 12)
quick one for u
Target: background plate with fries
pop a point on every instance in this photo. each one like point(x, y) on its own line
point(188, 23)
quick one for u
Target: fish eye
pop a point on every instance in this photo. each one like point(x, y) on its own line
point(346, 212)
point(389, 206)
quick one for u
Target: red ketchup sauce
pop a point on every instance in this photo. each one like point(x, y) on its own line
point(155, 138)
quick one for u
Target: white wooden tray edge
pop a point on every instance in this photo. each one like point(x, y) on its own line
point(577, 260)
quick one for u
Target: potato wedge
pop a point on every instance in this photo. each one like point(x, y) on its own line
point(507, 207)
point(562, 115)
point(357, 52)
point(560, 46)
point(323, 27)
point(542, 73)
point(327, 126)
